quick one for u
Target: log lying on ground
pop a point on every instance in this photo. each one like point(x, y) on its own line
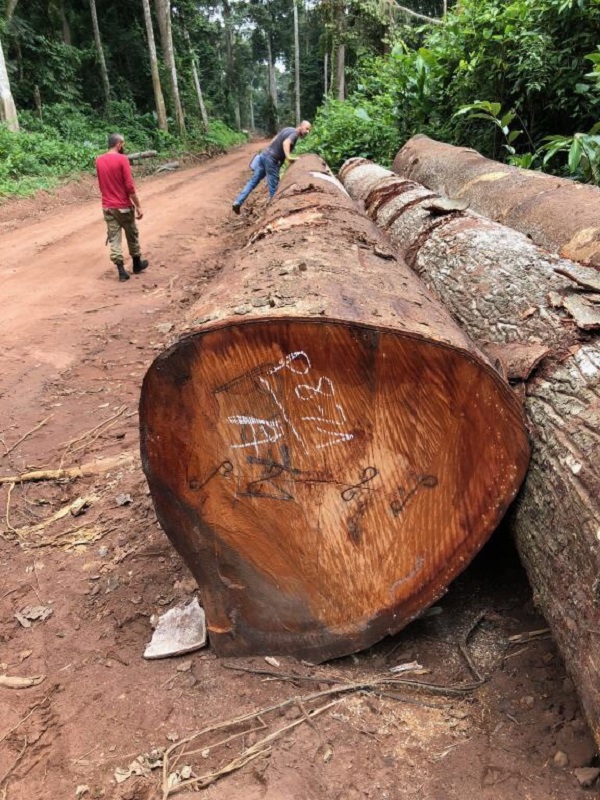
point(497, 283)
point(326, 448)
point(142, 154)
point(557, 213)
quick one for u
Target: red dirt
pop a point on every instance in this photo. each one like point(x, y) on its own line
point(75, 346)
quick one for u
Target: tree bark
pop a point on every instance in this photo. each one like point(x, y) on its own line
point(557, 213)
point(325, 72)
point(163, 13)
point(502, 289)
point(100, 55)
point(8, 110)
point(159, 100)
point(325, 447)
point(297, 64)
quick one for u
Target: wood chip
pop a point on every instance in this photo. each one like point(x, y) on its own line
point(585, 310)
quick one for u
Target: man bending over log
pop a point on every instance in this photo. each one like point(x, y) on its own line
point(119, 199)
point(270, 160)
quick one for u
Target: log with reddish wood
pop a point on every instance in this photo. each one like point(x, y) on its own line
point(509, 295)
point(556, 213)
point(325, 447)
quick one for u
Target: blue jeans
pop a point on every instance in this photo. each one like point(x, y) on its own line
point(266, 166)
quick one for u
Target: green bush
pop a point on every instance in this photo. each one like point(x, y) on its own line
point(67, 139)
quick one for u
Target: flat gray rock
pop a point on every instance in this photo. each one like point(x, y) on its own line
point(179, 630)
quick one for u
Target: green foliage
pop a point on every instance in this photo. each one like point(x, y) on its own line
point(68, 139)
point(498, 76)
point(342, 130)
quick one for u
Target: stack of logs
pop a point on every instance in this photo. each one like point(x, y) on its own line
point(325, 446)
point(537, 314)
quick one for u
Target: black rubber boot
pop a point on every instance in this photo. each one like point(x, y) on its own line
point(138, 264)
point(123, 274)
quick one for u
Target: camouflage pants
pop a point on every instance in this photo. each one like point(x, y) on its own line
point(117, 220)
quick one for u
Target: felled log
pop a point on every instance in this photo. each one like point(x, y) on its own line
point(142, 154)
point(556, 213)
point(325, 447)
point(500, 286)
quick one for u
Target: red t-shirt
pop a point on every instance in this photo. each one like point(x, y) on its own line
point(115, 180)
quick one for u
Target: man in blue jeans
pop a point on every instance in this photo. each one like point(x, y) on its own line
point(270, 160)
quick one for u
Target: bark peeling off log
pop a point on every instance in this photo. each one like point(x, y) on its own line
point(330, 449)
point(557, 213)
point(518, 359)
point(496, 282)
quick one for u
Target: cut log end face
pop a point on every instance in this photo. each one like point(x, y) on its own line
point(325, 481)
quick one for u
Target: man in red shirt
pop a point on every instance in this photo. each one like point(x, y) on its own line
point(119, 199)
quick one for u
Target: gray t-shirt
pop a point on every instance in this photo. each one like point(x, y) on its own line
point(275, 149)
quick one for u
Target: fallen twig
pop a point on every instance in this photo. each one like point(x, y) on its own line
point(527, 636)
point(248, 754)
point(22, 439)
point(83, 471)
point(383, 680)
point(96, 431)
point(72, 508)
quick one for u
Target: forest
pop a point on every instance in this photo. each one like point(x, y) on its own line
point(519, 81)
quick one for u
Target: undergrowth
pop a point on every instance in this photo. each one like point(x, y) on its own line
point(66, 141)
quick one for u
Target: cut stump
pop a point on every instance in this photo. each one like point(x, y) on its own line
point(326, 448)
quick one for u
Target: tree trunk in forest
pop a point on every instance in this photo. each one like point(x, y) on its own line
point(340, 47)
point(159, 100)
point(557, 213)
point(325, 447)
point(10, 8)
point(232, 83)
point(507, 294)
point(297, 64)
point(8, 110)
point(196, 78)
point(251, 109)
point(272, 81)
point(163, 14)
point(100, 56)
point(325, 71)
point(66, 27)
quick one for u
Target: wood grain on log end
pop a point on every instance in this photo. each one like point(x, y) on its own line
point(325, 478)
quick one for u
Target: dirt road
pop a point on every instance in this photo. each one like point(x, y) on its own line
point(74, 346)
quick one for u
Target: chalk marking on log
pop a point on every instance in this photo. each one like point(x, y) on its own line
point(255, 422)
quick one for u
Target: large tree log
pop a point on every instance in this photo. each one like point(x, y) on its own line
point(325, 448)
point(557, 213)
point(497, 284)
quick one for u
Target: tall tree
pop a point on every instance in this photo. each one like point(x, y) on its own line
point(297, 63)
point(159, 100)
point(340, 43)
point(8, 110)
point(196, 79)
point(163, 13)
point(100, 55)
